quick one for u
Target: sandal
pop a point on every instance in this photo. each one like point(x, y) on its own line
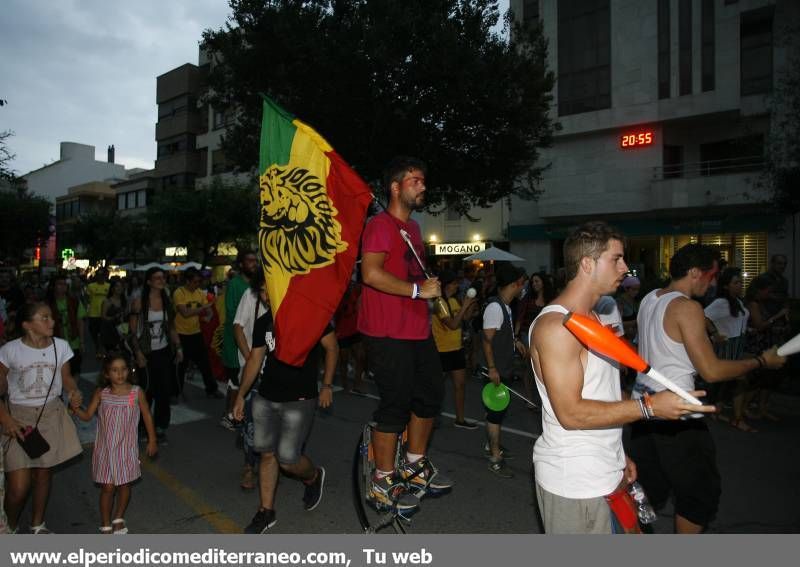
point(40, 529)
point(121, 531)
point(105, 530)
point(742, 425)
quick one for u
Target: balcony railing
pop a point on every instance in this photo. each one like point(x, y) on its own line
point(710, 167)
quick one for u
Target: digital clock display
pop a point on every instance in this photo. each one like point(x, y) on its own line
point(637, 139)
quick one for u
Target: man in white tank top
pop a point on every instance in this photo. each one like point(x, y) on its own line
point(680, 457)
point(579, 459)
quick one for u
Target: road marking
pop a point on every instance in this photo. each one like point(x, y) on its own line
point(513, 430)
point(219, 521)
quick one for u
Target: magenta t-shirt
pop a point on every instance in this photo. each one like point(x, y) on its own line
point(394, 316)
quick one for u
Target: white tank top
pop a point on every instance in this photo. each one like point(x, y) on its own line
point(580, 463)
point(667, 356)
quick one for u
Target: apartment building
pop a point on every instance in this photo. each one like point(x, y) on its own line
point(665, 114)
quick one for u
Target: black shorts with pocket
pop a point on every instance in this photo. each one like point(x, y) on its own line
point(678, 457)
point(409, 378)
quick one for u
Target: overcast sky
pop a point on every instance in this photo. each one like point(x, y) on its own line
point(85, 71)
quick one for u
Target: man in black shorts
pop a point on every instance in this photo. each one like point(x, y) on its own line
point(679, 457)
point(283, 413)
point(394, 320)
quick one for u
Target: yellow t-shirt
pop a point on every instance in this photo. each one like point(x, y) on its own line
point(97, 293)
point(192, 300)
point(447, 339)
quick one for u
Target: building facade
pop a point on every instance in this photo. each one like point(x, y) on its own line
point(665, 113)
point(86, 198)
point(76, 165)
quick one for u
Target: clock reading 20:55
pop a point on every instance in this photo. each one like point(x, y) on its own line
point(637, 139)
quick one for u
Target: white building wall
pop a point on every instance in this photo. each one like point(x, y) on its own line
point(537, 255)
point(76, 166)
point(490, 225)
point(591, 175)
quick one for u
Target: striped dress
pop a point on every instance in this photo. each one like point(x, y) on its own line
point(116, 449)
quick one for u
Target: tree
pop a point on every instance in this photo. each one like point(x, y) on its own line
point(202, 219)
point(98, 233)
point(379, 77)
point(107, 235)
point(24, 222)
point(6, 157)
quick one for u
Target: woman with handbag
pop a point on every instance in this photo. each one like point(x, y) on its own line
point(152, 328)
point(38, 434)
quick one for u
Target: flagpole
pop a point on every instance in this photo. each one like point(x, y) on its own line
point(440, 303)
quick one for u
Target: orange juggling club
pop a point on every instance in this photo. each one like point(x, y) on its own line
point(603, 340)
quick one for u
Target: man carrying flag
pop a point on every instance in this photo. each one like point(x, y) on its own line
point(395, 323)
point(313, 207)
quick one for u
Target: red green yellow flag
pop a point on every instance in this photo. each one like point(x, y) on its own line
point(313, 207)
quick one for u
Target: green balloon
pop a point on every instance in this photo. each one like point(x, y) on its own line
point(496, 398)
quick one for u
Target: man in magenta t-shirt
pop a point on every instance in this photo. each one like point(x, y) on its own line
point(395, 323)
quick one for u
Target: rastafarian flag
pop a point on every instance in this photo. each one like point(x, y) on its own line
point(313, 207)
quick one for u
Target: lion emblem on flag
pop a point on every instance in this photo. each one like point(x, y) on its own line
point(298, 230)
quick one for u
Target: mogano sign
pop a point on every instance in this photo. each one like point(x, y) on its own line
point(464, 248)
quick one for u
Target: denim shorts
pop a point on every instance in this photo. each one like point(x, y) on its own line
point(282, 427)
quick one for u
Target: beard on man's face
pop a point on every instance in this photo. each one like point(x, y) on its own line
point(415, 203)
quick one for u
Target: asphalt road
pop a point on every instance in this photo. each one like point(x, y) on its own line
point(193, 485)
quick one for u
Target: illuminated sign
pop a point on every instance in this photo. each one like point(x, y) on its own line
point(67, 253)
point(464, 248)
point(637, 139)
point(175, 251)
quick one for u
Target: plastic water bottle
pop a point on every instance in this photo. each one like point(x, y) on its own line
point(643, 508)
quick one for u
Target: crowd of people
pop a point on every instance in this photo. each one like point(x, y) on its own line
point(407, 333)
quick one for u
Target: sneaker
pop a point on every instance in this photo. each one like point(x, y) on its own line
point(423, 475)
point(388, 491)
point(499, 468)
point(261, 522)
point(228, 422)
point(313, 494)
point(41, 529)
point(248, 481)
point(466, 424)
point(504, 453)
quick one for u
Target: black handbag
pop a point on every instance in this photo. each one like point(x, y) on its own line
point(33, 442)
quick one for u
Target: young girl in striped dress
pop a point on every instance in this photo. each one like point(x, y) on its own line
point(115, 462)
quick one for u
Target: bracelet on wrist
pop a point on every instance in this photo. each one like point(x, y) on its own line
point(642, 409)
point(327, 386)
point(761, 362)
point(414, 291)
point(648, 405)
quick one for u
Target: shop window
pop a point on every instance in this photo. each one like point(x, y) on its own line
point(664, 61)
point(584, 56)
point(685, 47)
point(756, 51)
point(707, 45)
